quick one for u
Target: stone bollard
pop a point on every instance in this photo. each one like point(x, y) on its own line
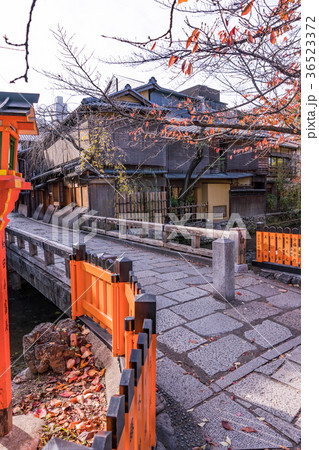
point(223, 269)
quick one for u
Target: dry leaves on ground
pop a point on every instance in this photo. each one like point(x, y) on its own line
point(72, 405)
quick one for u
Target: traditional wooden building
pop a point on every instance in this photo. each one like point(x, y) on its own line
point(234, 182)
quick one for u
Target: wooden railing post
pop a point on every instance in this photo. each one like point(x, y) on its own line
point(259, 241)
point(20, 243)
point(135, 364)
point(272, 244)
point(33, 249)
point(123, 267)
point(295, 247)
point(265, 244)
point(48, 257)
point(102, 440)
point(77, 280)
point(115, 418)
point(142, 345)
point(127, 389)
point(280, 246)
point(145, 308)
point(287, 244)
point(129, 327)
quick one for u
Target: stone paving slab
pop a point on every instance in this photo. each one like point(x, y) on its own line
point(199, 279)
point(282, 348)
point(221, 354)
point(242, 295)
point(268, 333)
point(246, 280)
point(166, 319)
point(164, 302)
point(271, 367)
point(180, 339)
point(198, 308)
point(222, 408)
point(166, 269)
point(295, 355)
point(186, 294)
point(241, 372)
point(155, 290)
point(252, 311)
point(286, 300)
point(159, 354)
point(278, 398)
point(264, 289)
point(146, 281)
point(289, 374)
point(171, 275)
point(208, 287)
point(172, 285)
point(214, 325)
point(144, 273)
point(185, 389)
point(285, 428)
point(291, 319)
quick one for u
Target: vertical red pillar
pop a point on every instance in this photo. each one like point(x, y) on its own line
point(5, 371)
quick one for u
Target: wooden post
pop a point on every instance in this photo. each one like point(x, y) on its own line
point(129, 327)
point(33, 249)
point(272, 244)
point(299, 252)
point(127, 389)
point(135, 364)
point(195, 241)
point(265, 244)
point(115, 418)
point(280, 246)
point(5, 371)
point(287, 244)
point(295, 247)
point(259, 241)
point(142, 345)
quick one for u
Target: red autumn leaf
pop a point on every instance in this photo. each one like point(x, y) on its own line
point(183, 66)
point(193, 341)
point(40, 413)
point(98, 387)
point(250, 37)
point(171, 61)
point(195, 47)
point(229, 40)
point(153, 46)
point(189, 69)
point(239, 293)
point(249, 430)
point(86, 354)
point(232, 397)
point(189, 41)
point(247, 8)
point(70, 363)
point(92, 372)
point(67, 394)
point(227, 425)
point(273, 37)
point(181, 1)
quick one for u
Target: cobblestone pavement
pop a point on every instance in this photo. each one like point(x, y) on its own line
point(233, 368)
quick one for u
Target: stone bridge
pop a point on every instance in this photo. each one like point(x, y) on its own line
point(217, 361)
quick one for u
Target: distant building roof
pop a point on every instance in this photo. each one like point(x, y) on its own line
point(211, 176)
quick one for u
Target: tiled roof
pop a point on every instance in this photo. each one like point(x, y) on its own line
point(14, 103)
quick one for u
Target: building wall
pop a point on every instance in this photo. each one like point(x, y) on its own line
point(248, 203)
point(101, 197)
point(179, 157)
point(217, 196)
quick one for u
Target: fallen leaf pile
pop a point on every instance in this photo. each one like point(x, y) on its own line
point(72, 405)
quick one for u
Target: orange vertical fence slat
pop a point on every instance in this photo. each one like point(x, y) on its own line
point(129, 339)
point(259, 242)
point(265, 244)
point(127, 389)
point(280, 246)
point(295, 247)
point(287, 246)
point(272, 244)
point(135, 364)
point(299, 252)
point(142, 345)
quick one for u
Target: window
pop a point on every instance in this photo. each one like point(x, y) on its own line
point(12, 153)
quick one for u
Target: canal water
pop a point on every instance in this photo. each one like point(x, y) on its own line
point(27, 308)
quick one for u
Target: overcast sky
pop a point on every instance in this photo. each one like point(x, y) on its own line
point(87, 20)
